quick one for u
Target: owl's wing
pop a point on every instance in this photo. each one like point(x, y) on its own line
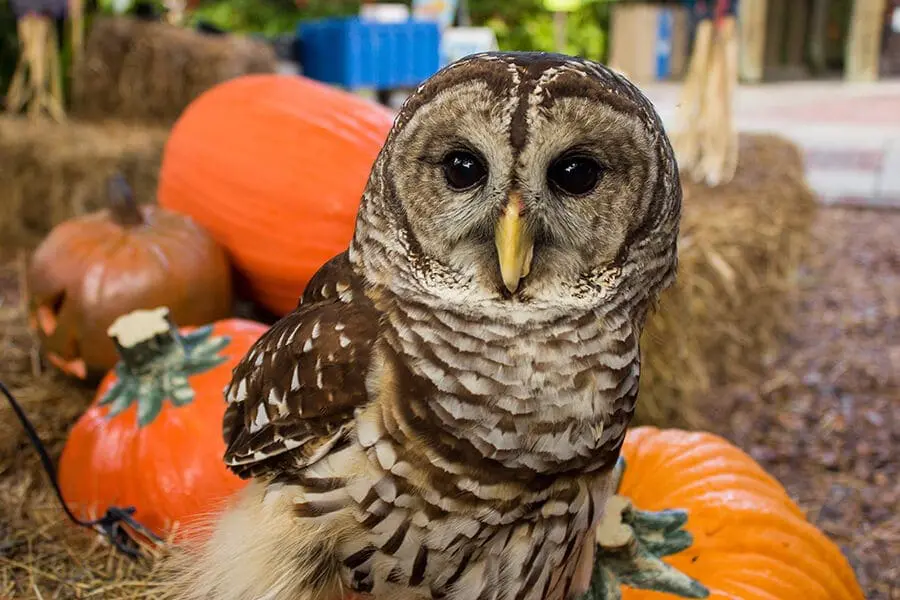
point(291, 398)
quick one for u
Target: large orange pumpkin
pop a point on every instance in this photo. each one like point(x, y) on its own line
point(93, 268)
point(734, 529)
point(274, 167)
point(153, 437)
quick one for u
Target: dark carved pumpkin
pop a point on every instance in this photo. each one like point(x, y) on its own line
point(94, 268)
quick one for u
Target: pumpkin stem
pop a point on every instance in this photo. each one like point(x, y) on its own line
point(157, 361)
point(630, 547)
point(146, 338)
point(122, 207)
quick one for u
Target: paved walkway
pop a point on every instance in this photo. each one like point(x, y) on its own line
point(850, 132)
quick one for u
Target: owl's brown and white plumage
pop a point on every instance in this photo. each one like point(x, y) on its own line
point(439, 416)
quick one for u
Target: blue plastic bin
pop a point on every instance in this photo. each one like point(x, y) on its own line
point(354, 53)
point(663, 48)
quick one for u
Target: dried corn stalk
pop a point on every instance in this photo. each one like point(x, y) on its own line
point(686, 140)
point(37, 81)
point(705, 140)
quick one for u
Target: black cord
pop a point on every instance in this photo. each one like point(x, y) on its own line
point(110, 524)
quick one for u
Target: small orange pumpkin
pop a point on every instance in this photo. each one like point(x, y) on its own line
point(92, 269)
point(742, 537)
point(274, 168)
point(153, 437)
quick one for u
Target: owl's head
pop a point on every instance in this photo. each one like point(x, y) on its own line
point(523, 185)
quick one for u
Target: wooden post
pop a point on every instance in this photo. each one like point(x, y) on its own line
point(864, 40)
point(76, 19)
point(175, 12)
point(795, 42)
point(818, 23)
point(560, 19)
point(463, 18)
point(752, 40)
point(775, 34)
point(890, 57)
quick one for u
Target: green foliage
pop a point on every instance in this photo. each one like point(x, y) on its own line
point(527, 25)
point(519, 24)
point(269, 17)
point(162, 374)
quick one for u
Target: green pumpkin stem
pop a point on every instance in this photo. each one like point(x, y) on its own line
point(630, 547)
point(122, 206)
point(156, 362)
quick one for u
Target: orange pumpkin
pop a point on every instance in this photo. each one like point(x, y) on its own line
point(153, 437)
point(274, 167)
point(91, 269)
point(742, 537)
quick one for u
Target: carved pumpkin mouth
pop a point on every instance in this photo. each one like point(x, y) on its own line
point(47, 314)
point(75, 367)
point(46, 320)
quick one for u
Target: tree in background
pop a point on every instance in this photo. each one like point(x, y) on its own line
point(270, 17)
point(527, 25)
point(519, 24)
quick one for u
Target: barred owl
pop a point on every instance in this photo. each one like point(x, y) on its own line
point(440, 415)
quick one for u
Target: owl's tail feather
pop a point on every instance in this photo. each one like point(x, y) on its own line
point(257, 550)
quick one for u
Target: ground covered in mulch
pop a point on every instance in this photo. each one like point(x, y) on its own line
point(826, 418)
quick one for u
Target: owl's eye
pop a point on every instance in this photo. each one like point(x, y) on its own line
point(463, 170)
point(574, 175)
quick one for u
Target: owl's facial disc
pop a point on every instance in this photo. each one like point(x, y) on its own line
point(524, 185)
point(511, 223)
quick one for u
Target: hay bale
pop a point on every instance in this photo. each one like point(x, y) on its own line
point(38, 546)
point(50, 172)
point(740, 249)
point(149, 72)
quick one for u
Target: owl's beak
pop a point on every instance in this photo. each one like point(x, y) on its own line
point(515, 244)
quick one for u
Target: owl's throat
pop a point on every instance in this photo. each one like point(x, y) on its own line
point(517, 403)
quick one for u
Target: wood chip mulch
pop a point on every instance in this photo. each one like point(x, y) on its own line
point(826, 418)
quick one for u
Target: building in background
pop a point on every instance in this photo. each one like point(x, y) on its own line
point(890, 51)
point(780, 39)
